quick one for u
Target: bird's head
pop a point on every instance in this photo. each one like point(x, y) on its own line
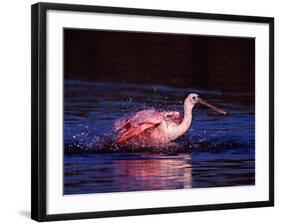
point(192, 99)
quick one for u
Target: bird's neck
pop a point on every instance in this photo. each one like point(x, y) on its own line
point(185, 124)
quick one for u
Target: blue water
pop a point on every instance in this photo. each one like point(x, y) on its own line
point(217, 150)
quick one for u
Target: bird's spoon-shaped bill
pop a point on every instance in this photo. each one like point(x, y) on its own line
point(220, 111)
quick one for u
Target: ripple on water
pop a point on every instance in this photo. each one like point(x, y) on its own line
point(216, 151)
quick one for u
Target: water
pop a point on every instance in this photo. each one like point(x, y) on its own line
point(217, 150)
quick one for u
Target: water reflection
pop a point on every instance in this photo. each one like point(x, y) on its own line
point(131, 173)
point(156, 174)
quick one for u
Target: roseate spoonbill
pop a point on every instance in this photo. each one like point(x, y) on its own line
point(153, 128)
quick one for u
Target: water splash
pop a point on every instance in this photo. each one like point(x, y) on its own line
point(107, 143)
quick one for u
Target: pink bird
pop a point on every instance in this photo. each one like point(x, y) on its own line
point(153, 128)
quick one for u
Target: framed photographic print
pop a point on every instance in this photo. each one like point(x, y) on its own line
point(138, 111)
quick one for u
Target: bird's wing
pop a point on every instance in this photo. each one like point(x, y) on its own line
point(135, 124)
point(173, 116)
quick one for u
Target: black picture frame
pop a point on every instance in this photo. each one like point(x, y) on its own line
point(38, 116)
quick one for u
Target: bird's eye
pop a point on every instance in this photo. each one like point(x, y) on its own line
point(193, 97)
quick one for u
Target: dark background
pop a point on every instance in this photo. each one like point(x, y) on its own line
point(210, 62)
